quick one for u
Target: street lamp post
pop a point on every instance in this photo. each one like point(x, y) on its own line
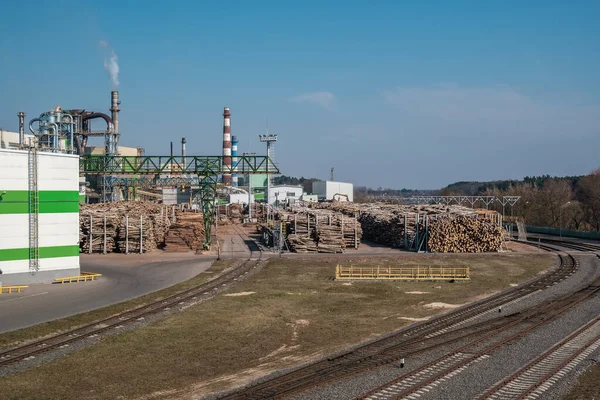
point(560, 218)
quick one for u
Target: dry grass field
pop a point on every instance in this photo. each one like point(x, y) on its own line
point(290, 312)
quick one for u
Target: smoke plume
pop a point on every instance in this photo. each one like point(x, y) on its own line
point(111, 64)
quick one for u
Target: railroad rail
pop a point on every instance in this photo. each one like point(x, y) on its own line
point(119, 320)
point(531, 381)
point(395, 346)
point(578, 246)
point(425, 378)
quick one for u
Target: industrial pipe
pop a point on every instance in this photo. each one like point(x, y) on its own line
point(70, 130)
point(31, 124)
point(114, 109)
point(21, 116)
point(109, 122)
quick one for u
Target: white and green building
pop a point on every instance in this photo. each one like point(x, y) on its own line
point(39, 216)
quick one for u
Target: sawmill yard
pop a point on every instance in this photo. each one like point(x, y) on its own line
point(289, 311)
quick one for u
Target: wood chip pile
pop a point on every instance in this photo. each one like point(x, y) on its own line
point(451, 228)
point(122, 230)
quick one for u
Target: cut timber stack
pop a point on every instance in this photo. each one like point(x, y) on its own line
point(329, 232)
point(464, 234)
point(302, 243)
point(123, 234)
point(450, 228)
point(96, 234)
point(186, 234)
point(128, 237)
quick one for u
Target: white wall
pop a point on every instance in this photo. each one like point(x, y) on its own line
point(280, 193)
point(326, 190)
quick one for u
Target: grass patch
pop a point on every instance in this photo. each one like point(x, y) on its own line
point(52, 327)
point(587, 385)
point(297, 313)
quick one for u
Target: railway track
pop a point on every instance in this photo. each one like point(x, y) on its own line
point(118, 321)
point(531, 381)
point(578, 246)
point(427, 377)
point(425, 336)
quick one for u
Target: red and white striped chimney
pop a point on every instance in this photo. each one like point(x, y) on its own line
point(226, 145)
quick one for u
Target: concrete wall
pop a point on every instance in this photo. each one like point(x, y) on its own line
point(58, 219)
point(326, 190)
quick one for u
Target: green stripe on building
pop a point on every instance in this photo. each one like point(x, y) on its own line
point(43, 195)
point(45, 252)
point(44, 208)
point(50, 201)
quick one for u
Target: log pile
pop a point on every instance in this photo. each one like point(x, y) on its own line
point(320, 231)
point(186, 234)
point(123, 226)
point(463, 234)
point(302, 243)
point(92, 231)
point(450, 228)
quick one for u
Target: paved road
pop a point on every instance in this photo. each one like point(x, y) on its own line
point(124, 277)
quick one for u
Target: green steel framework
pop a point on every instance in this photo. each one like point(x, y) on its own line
point(206, 168)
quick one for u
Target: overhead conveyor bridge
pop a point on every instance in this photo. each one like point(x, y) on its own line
point(205, 168)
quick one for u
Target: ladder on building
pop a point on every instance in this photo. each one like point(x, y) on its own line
point(34, 211)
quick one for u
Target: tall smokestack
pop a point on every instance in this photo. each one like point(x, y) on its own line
point(114, 109)
point(183, 142)
point(234, 159)
point(21, 116)
point(171, 149)
point(226, 145)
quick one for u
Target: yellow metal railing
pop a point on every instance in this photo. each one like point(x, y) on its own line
point(403, 273)
point(10, 289)
point(84, 277)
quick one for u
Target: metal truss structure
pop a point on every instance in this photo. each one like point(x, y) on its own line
point(202, 171)
point(460, 200)
point(152, 182)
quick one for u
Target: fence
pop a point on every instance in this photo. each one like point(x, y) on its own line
point(403, 273)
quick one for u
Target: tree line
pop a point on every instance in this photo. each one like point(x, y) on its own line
point(571, 202)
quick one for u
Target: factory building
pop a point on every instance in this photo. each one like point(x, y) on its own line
point(330, 190)
point(281, 195)
point(39, 216)
point(10, 140)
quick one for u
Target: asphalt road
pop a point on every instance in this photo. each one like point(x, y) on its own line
point(123, 277)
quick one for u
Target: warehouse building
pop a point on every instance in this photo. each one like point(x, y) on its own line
point(281, 195)
point(330, 190)
point(39, 216)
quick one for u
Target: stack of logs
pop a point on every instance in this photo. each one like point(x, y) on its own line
point(185, 234)
point(450, 228)
point(115, 227)
point(319, 231)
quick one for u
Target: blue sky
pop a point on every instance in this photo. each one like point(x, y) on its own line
point(402, 94)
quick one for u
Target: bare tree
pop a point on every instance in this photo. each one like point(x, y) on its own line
point(589, 193)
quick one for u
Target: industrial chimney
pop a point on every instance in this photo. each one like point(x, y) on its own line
point(114, 109)
point(21, 116)
point(226, 145)
point(234, 159)
point(183, 142)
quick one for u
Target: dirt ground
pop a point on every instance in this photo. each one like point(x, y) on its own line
point(290, 312)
